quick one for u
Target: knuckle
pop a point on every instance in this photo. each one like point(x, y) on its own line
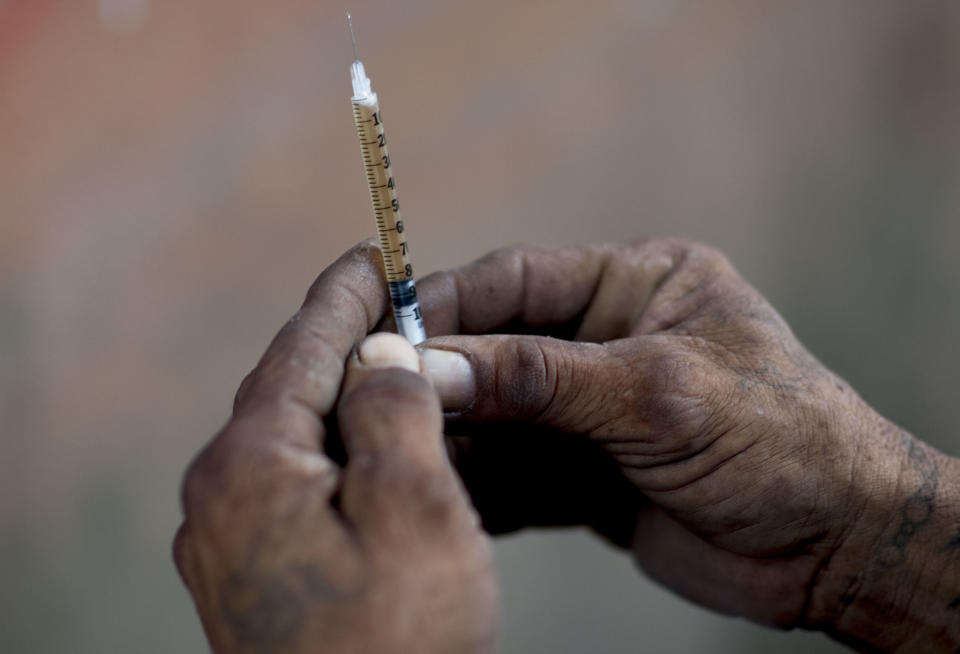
point(196, 485)
point(242, 391)
point(677, 396)
point(433, 497)
point(181, 552)
point(510, 260)
point(438, 500)
point(365, 254)
point(431, 493)
point(662, 244)
point(685, 253)
point(683, 258)
point(221, 493)
point(679, 367)
point(511, 255)
point(206, 480)
point(528, 390)
point(709, 258)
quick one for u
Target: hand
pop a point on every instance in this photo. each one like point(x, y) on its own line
point(750, 479)
point(283, 551)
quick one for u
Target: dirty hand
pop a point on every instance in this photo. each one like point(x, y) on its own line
point(679, 416)
point(285, 551)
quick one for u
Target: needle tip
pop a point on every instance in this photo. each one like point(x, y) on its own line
point(353, 39)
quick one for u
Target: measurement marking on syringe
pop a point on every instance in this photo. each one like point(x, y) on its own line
point(386, 208)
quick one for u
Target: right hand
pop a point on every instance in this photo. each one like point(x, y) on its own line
point(740, 471)
point(285, 551)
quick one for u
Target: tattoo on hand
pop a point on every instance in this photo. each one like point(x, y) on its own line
point(917, 510)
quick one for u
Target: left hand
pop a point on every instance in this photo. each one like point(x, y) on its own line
point(283, 551)
point(688, 424)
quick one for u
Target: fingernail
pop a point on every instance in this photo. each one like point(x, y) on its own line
point(451, 375)
point(386, 350)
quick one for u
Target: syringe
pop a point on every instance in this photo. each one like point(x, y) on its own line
point(386, 207)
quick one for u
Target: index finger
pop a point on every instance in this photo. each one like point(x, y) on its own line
point(536, 285)
point(541, 286)
point(300, 373)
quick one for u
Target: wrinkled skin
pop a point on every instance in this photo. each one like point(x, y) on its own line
point(643, 390)
point(684, 421)
point(284, 551)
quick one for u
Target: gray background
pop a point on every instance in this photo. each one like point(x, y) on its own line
point(174, 174)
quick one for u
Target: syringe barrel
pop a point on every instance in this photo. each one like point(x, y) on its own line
point(386, 208)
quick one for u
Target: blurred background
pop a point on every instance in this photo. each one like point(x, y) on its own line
point(174, 174)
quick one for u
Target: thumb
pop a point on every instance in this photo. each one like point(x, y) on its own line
point(397, 474)
point(570, 386)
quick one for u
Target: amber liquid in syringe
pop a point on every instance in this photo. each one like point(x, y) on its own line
point(386, 206)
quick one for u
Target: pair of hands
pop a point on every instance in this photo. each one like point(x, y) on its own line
point(646, 391)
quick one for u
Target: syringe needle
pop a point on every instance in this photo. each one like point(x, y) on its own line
point(353, 39)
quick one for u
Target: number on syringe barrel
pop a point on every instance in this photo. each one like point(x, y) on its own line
point(396, 205)
point(408, 270)
point(386, 161)
point(382, 139)
point(376, 117)
point(390, 183)
point(399, 227)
